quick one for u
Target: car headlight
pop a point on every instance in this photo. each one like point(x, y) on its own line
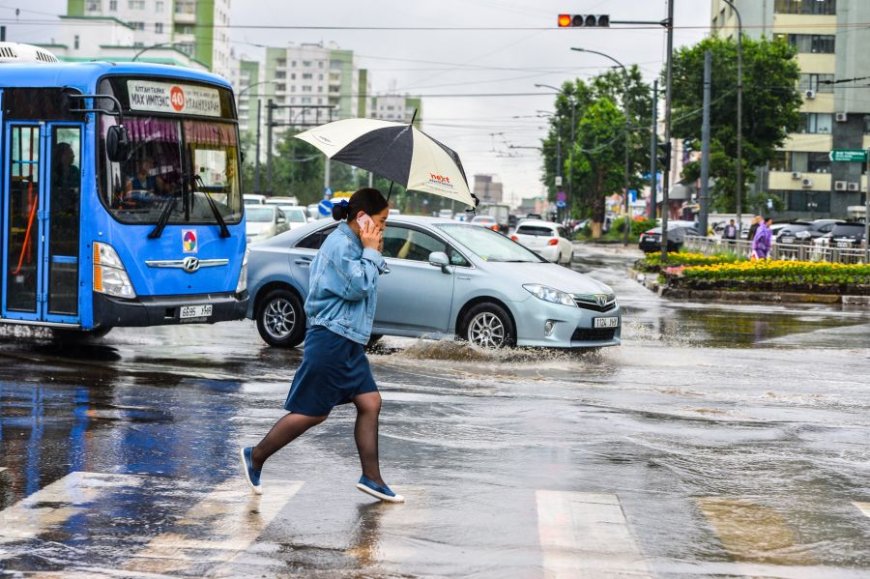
point(549, 294)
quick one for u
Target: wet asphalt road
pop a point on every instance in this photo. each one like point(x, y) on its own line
point(718, 440)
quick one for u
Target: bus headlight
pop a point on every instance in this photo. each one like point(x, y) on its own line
point(110, 277)
point(243, 275)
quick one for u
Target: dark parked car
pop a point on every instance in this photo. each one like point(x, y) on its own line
point(677, 231)
point(847, 235)
point(787, 234)
point(816, 229)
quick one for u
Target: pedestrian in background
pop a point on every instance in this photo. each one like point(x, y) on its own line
point(730, 233)
point(753, 227)
point(340, 308)
point(762, 240)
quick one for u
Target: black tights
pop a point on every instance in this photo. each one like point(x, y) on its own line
point(291, 426)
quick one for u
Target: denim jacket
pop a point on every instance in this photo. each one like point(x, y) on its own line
point(342, 293)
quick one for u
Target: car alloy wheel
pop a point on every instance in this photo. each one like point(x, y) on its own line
point(281, 320)
point(489, 326)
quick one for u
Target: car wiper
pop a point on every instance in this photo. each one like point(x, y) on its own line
point(225, 232)
point(163, 219)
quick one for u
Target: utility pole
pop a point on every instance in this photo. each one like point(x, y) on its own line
point(739, 111)
point(257, 158)
point(269, 127)
point(668, 82)
point(705, 142)
point(654, 145)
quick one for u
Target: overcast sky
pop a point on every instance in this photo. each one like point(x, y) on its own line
point(492, 134)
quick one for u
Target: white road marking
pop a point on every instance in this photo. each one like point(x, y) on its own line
point(56, 503)
point(224, 524)
point(586, 535)
point(863, 507)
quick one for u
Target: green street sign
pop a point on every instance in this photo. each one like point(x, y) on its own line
point(848, 156)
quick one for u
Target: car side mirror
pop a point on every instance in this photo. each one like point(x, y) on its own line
point(282, 220)
point(439, 259)
point(117, 144)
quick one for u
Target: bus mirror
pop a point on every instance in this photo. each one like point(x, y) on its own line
point(117, 144)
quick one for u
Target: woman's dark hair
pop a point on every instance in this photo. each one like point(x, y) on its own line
point(369, 201)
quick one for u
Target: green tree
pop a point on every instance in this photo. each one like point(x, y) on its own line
point(596, 156)
point(771, 105)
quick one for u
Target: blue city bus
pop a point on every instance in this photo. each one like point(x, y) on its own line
point(121, 201)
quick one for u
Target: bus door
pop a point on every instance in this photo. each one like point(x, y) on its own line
point(41, 210)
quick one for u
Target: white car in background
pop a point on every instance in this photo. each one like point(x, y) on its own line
point(549, 240)
point(253, 199)
point(263, 222)
point(295, 214)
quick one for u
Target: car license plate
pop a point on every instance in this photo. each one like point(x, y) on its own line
point(605, 322)
point(788, 239)
point(844, 244)
point(202, 311)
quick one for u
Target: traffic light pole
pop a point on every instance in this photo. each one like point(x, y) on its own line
point(666, 178)
point(653, 148)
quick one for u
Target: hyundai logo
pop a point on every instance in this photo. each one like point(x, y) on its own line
point(190, 264)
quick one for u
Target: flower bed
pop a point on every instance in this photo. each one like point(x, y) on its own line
point(652, 262)
point(775, 276)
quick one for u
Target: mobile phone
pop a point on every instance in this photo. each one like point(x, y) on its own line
point(364, 220)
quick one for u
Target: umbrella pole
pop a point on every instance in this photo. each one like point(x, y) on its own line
point(390, 192)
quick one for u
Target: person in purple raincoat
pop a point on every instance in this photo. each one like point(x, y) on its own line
point(761, 241)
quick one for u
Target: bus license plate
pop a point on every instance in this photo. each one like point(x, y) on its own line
point(605, 322)
point(202, 311)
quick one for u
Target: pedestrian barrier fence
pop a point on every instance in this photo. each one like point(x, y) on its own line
point(785, 251)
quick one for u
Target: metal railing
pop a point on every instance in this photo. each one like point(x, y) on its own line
point(789, 251)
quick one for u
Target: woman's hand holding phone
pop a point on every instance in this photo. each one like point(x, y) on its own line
point(369, 233)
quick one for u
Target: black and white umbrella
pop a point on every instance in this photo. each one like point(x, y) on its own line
point(396, 151)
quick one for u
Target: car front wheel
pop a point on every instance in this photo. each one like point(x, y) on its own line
point(281, 319)
point(489, 326)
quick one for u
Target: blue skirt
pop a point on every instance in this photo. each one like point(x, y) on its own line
point(334, 371)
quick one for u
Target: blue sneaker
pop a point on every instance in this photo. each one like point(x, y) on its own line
point(251, 475)
point(382, 492)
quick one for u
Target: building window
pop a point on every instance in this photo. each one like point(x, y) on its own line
point(280, 74)
point(811, 43)
point(136, 4)
point(158, 6)
point(814, 201)
point(307, 76)
point(158, 27)
point(137, 25)
point(281, 63)
point(113, 5)
point(819, 83)
point(76, 41)
point(800, 162)
point(305, 63)
point(306, 88)
point(280, 87)
point(805, 7)
point(816, 123)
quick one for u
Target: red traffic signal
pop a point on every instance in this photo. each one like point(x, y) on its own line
point(584, 20)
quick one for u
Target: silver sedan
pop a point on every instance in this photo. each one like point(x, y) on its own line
point(446, 279)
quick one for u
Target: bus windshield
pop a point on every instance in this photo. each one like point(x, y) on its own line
point(177, 162)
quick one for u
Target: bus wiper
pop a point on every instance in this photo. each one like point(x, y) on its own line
point(225, 232)
point(163, 219)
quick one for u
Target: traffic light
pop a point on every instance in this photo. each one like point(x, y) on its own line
point(584, 20)
point(664, 155)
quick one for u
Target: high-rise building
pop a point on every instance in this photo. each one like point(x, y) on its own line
point(835, 113)
point(197, 28)
point(311, 84)
point(487, 189)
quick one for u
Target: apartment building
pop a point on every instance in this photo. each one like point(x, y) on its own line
point(196, 28)
point(392, 106)
point(836, 111)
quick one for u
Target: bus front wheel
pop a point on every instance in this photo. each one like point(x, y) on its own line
point(281, 319)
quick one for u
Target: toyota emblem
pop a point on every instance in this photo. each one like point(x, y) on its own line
point(601, 299)
point(190, 264)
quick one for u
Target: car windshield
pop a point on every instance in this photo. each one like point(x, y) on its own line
point(489, 245)
point(260, 213)
point(173, 161)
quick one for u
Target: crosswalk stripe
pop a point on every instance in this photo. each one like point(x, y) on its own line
point(863, 507)
point(753, 533)
point(57, 502)
point(225, 523)
point(586, 535)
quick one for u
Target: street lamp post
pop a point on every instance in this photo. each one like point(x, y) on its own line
point(627, 168)
point(571, 149)
point(153, 46)
point(739, 110)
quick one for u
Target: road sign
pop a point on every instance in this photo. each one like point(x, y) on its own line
point(558, 180)
point(325, 207)
point(561, 204)
point(561, 196)
point(848, 156)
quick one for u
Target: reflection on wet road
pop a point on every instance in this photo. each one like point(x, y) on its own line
point(718, 440)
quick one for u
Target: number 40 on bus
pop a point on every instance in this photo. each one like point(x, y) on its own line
point(120, 196)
